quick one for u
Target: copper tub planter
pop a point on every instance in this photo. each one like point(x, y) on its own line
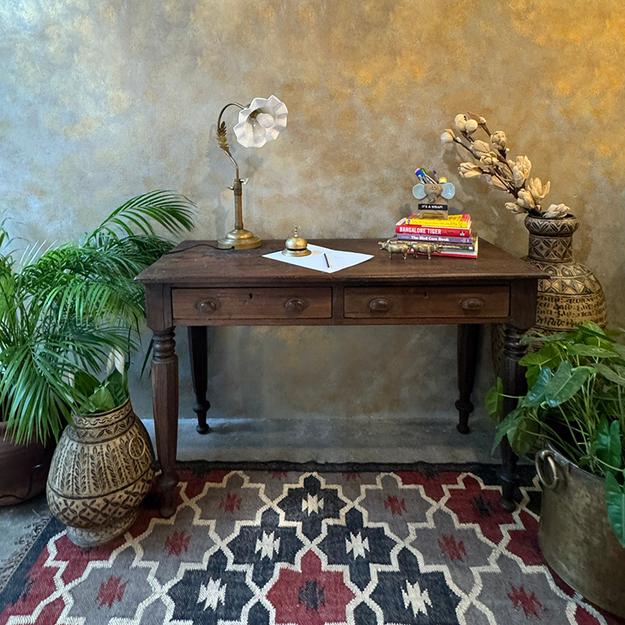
point(23, 469)
point(574, 534)
point(101, 471)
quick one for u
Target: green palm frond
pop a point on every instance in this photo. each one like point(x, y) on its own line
point(36, 372)
point(86, 283)
point(170, 210)
point(67, 307)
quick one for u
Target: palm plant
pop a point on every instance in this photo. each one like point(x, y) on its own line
point(63, 309)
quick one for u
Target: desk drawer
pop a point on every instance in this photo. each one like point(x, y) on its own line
point(426, 302)
point(254, 303)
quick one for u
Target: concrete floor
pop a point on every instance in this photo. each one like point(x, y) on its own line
point(321, 439)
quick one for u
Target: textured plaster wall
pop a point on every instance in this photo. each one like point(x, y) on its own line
point(104, 100)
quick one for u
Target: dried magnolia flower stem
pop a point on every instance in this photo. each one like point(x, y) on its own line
point(499, 171)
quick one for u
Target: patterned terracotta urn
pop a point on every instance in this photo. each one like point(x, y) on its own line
point(572, 294)
point(101, 471)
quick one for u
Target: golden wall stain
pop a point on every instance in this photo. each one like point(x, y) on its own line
point(103, 100)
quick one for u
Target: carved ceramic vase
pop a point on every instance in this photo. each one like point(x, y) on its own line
point(101, 471)
point(572, 294)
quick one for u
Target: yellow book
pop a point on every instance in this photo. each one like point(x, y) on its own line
point(453, 221)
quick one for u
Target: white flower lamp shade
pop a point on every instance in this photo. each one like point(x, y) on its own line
point(259, 122)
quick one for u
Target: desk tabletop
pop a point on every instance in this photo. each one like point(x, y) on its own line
point(199, 263)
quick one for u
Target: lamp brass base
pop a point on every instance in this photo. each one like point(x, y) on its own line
point(239, 239)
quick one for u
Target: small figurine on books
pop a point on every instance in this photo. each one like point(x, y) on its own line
point(435, 191)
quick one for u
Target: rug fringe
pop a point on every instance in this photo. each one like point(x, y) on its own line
point(24, 544)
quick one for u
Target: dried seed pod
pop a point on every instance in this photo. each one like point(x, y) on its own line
point(521, 170)
point(448, 136)
point(499, 140)
point(481, 148)
point(460, 121)
point(469, 170)
point(556, 211)
point(471, 126)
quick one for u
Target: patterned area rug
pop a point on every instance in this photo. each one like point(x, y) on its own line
point(307, 545)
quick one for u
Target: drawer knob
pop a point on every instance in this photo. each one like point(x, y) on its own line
point(472, 304)
point(379, 304)
point(295, 305)
point(207, 306)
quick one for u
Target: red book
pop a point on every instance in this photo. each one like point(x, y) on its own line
point(401, 228)
point(432, 238)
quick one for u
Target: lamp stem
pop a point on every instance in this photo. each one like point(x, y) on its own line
point(237, 188)
point(222, 139)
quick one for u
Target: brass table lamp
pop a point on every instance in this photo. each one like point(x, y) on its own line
point(259, 122)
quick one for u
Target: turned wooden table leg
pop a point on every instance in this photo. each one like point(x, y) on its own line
point(468, 341)
point(514, 384)
point(198, 348)
point(165, 406)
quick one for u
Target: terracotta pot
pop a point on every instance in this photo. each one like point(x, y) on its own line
point(101, 471)
point(23, 469)
point(575, 535)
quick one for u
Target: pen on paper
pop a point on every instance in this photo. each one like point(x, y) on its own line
point(327, 261)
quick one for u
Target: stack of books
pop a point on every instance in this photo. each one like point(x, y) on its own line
point(452, 234)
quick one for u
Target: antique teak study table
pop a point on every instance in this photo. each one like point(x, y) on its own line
point(198, 286)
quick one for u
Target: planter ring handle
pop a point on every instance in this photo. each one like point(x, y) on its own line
point(546, 457)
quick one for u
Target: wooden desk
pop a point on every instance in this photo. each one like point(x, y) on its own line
point(198, 286)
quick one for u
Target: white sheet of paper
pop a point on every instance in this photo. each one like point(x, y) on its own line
point(337, 259)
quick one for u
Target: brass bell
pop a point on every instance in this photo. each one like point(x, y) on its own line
point(296, 245)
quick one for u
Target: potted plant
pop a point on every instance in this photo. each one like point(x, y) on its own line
point(62, 310)
point(573, 414)
point(102, 467)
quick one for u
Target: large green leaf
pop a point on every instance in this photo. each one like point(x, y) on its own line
point(606, 444)
point(590, 328)
point(592, 351)
point(615, 500)
point(614, 374)
point(85, 383)
point(493, 401)
point(507, 426)
point(101, 401)
point(545, 356)
point(536, 394)
point(522, 429)
point(548, 356)
point(524, 436)
point(117, 385)
point(566, 381)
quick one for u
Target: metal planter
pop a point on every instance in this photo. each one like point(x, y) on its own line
point(574, 534)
